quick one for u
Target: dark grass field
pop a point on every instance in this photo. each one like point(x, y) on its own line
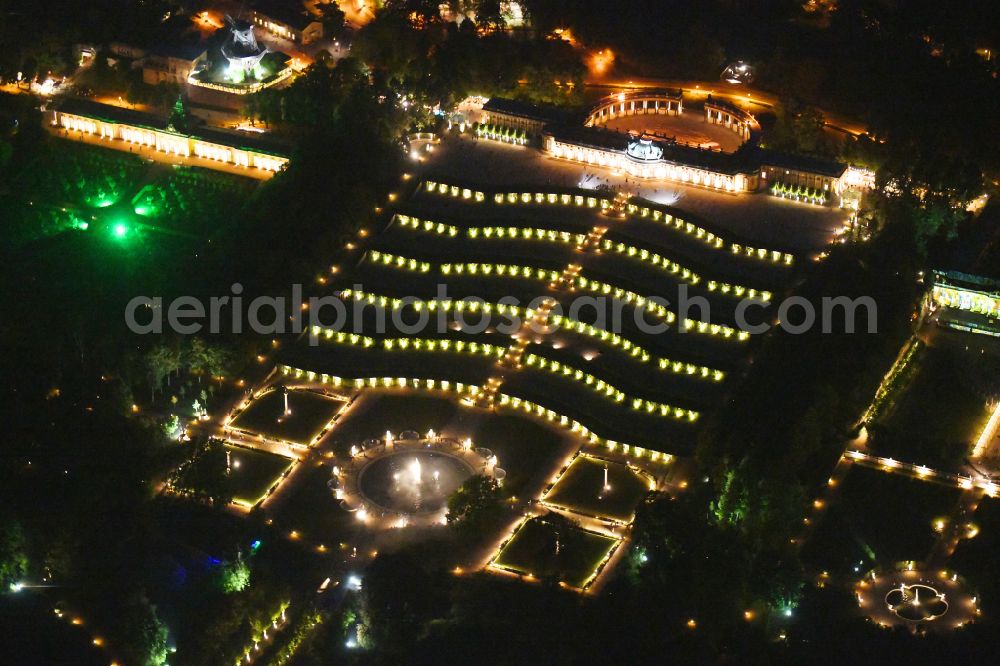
point(310, 412)
point(532, 551)
point(580, 489)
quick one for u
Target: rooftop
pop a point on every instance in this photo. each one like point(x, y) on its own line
point(290, 12)
point(819, 165)
point(545, 113)
point(967, 281)
point(182, 50)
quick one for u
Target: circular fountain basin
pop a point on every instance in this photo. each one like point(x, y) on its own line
point(415, 481)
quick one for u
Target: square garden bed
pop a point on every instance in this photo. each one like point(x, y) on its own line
point(253, 473)
point(310, 412)
point(581, 489)
point(532, 551)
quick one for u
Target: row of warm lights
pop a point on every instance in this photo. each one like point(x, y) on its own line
point(446, 304)
point(526, 233)
point(574, 426)
point(986, 436)
point(690, 325)
point(674, 268)
point(626, 295)
point(472, 390)
point(888, 381)
point(455, 191)
point(526, 314)
point(379, 382)
point(554, 236)
point(552, 276)
point(439, 228)
point(635, 350)
point(501, 270)
point(398, 261)
point(712, 239)
point(529, 576)
point(261, 634)
point(804, 194)
point(515, 197)
point(417, 344)
point(518, 138)
point(607, 389)
point(76, 621)
point(924, 472)
point(471, 268)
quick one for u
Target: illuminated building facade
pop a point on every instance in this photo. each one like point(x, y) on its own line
point(287, 20)
point(968, 302)
point(112, 123)
point(173, 63)
point(582, 138)
point(637, 103)
point(732, 117)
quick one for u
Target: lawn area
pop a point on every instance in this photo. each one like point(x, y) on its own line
point(532, 551)
point(312, 510)
point(524, 448)
point(579, 489)
point(975, 558)
point(254, 472)
point(310, 413)
point(939, 414)
point(878, 518)
point(375, 413)
point(193, 200)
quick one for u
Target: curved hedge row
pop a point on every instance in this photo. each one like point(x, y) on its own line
point(644, 255)
point(471, 391)
point(526, 314)
point(714, 240)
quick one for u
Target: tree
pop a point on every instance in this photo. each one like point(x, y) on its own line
point(235, 575)
point(489, 15)
point(13, 553)
point(398, 598)
point(142, 635)
point(202, 358)
point(332, 18)
point(205, 474)
point(797, 128)
point(420, 12)
point(161, 361)
point(179, 120)
point(476, 505)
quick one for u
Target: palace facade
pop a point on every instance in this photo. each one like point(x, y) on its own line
point(581, 138)
point(112, 123)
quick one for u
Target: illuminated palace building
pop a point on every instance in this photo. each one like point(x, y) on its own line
point(746, 167)
point(112, 123)
point(965, 302)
